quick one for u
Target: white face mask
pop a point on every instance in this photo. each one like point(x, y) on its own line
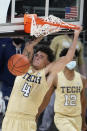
point(71, 65)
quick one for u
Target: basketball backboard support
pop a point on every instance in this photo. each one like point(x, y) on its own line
point(3, 11)
point(41, 8)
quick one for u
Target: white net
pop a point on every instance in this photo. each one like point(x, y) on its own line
point(47, 25)
point(52, 19)
point(37, 29)
point(38, 26)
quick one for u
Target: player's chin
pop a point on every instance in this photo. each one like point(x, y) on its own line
point(36, 65)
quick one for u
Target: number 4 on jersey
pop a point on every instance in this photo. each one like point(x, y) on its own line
point(26, 89)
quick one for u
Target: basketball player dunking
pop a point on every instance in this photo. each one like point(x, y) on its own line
point(30, 89)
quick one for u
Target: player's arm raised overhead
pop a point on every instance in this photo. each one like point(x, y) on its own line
point(83, 104)
point(60, 64)
point(28, 50)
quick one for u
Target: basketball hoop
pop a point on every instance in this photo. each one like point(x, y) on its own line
point(38, 26)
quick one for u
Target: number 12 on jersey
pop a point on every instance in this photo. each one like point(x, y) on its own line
point(26, 89)
point(70, 100)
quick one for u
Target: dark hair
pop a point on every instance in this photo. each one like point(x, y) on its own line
point(46, 49)
point(65, 50)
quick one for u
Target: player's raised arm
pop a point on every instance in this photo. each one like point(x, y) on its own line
point(28, 50)
point(60, 64)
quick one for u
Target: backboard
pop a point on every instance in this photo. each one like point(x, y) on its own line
point(11, 20)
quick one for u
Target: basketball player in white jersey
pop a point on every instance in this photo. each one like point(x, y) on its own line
point(70, 101)
point(30, 89)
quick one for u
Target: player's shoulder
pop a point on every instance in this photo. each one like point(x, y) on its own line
point(59, 37)
point(82, 76)
point(84, 79)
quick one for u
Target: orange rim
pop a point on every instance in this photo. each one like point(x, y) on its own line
point(28, 20)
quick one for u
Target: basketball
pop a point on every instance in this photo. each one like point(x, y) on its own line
point(18, 64)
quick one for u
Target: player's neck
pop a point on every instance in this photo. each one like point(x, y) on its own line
point(69, 74)
point(34, 69)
